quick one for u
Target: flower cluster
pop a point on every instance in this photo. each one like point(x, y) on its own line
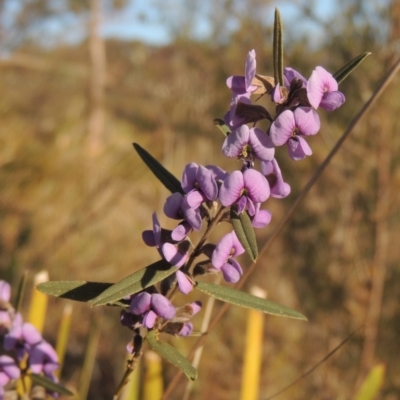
point(209, 193)
point(22, 341)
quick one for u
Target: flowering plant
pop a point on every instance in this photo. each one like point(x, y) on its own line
point(207, 196)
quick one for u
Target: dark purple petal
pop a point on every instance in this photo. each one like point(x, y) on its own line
point(140, 303)
point(148, 238)
point(172, 255)
point(256, 185)
point(162, 306)
point(282, 128)
point(298, 148)
point(5, 291)
point(236, 83)
point(173, 205)
point(332, 100)
point(149, 319)
point(232, 188)
point(320, 82)
point(184, 283)
point(231, 271)
point(186, 329)
point(307, 120)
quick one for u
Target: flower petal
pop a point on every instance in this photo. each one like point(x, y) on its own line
point(235, 141)
point(282, 128)
point(320, 82)
point(256, 185)
point(162, 306)
point(231, 188)
point(333, 100)
point(140, 303)
point(298, 148)
point(184, 283)
point(232, 271)
point(307, 120)
point(261, 144)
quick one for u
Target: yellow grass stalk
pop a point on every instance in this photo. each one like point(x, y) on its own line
point(253, 351)
point(153, 386)
point(38, 304)
point(372, 384)
point(63, 334)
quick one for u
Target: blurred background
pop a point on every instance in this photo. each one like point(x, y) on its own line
point(81, 80)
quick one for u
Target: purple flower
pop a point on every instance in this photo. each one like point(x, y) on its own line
point(43, 358)
point(249, 143)
point(246, 188)
point(261, 218)
point(199, 184)
point(5, 291)
point(288, 128)
point(322, 90)
point(241, 87)
point(151, 306)
point(272, 172)
point(289, 74)
point(8, 370)
point(184, 283)
point(222, 257)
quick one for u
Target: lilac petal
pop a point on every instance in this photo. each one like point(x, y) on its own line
point(140, 303)
point(320, 82)
point(241, 204)
point(172, 255)
point(250, 69)
point(276, 94)
point(298, 148)
point(149, 319)
point(282, 128)
point(261, 219)
point(229, 246)
point(43, 358)
point(30, 334)
point(333, 100)
point(231, 188)
point(250, 207)
point(9, 367)
point(307, 120)
point(162, 306)
point(236, 141)
point(256, 185)
point(181, 231)
point(194, 198)
point(189, 177)
point(172, 206)
point(196, 307)
point(192, 216)
point(261, 144)
point(272, 172)
point(148, 238)
point(231, 271)
point(5, 291)
point(186, 330)
point(184, 283)
point(207, 183)
point(218, 173)
point(289, 74)
point(156, 229)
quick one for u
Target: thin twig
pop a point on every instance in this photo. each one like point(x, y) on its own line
point(378, 92)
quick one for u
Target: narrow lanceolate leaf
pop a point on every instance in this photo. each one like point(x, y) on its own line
point(73, 290)
point(245, 232)
point(278, 49)
point(170, 354)
point(343, 72)
point(50, 385)
point(165, 177)
point(135, 283)
point(220, 123)
point(246, 300)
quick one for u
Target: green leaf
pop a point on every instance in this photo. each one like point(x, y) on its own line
point(372, 384)
point(245, 232)
point(73, 290)
point(278, 49)
point(343, 72)
point(222, 126)
point(165, 177)
point(170, 354)
point(49, 384)
point(135, 282)
point(246, 300)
